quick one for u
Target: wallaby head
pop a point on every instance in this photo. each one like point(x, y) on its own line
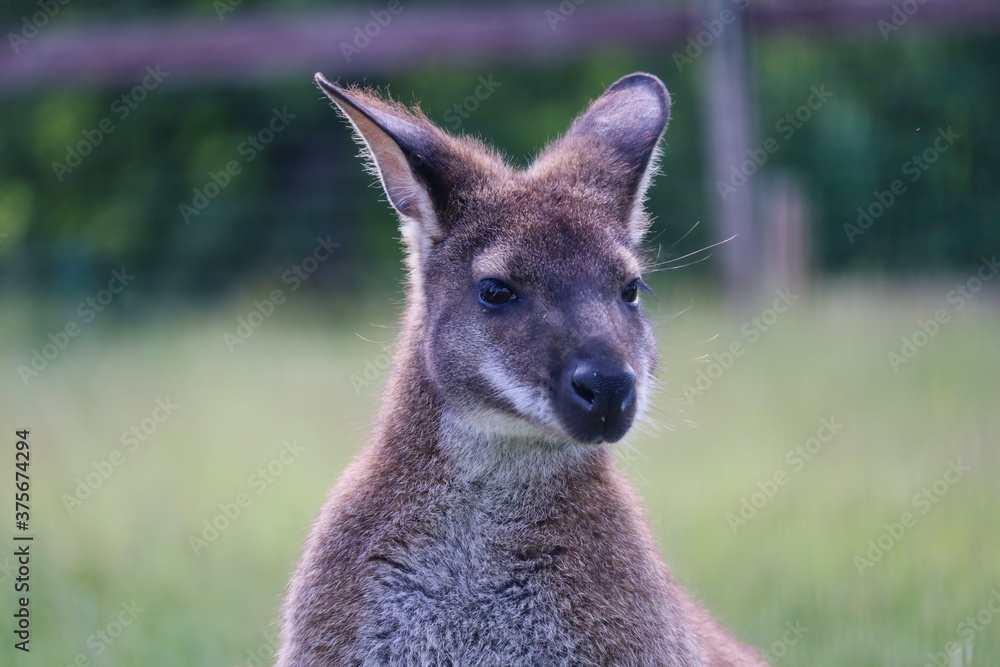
point(526, 282)
point(484, 524)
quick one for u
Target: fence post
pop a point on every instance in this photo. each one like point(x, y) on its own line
point(729, 125)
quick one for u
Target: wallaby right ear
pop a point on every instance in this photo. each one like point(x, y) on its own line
point(403, 149)
point(612, 146)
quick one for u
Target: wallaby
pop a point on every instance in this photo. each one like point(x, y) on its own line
point(485, 524)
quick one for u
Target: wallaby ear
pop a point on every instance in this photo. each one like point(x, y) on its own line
point(612, 146)
point(403, 148)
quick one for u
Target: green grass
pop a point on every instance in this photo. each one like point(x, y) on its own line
point(791, 563)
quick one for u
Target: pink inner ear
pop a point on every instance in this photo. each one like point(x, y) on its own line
point(404, 192)
point(371, 117)
point(630, 116)
point(611, 148)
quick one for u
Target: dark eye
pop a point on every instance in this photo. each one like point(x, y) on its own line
point(631, 293)
point(495, 293)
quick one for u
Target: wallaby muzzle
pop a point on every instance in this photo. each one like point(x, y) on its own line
point(595, 399)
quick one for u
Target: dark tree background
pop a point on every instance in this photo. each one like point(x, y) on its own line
point(123, 204)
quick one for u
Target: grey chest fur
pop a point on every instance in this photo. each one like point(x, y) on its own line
point(464, 590)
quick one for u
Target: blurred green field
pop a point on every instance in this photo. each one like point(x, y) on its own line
point(791, 565)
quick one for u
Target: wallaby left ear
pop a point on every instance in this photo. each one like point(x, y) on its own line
point(408, 154)
point(613, 144)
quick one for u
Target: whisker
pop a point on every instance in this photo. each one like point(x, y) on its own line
point(369, 340)
point(685, 235)
point(649, 242)
point(664, 267)
point(690, 254)
point(679, 312)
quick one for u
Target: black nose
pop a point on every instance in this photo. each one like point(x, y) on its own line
point(601, 400)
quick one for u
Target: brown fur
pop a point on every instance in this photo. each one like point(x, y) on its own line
point(476, 528)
